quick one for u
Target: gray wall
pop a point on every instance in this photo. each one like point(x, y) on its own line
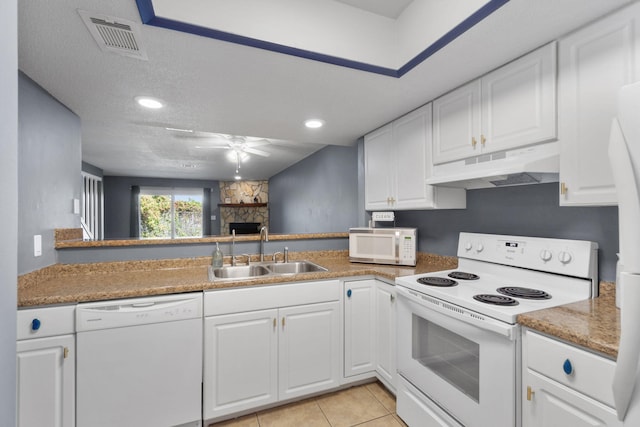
point(318, 194)
point(49, 159)
point(9, 211)
point(117, 200)
point(529, 210)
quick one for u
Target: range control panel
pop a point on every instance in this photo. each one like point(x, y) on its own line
point(569, 257)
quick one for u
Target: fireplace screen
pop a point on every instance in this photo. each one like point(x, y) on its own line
point(244, 227)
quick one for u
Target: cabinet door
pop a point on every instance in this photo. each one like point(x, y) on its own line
point(240, 362)
point(412, 145)
point(595, 62)
point(359, 326)
point(310, 352)
point(46, 382)
point(519, 102)
point(379, 169)
point(386, 333)
point(552, 404)
point(456, 124)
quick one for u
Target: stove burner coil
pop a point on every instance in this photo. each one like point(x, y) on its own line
point(526, 293)
point(463, 275)
point(437, 281)
point(496, 299)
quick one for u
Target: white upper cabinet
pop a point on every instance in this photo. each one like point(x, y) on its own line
point(456, 124)
point(378, 168)
point(397, 164)
point(594, 62)
point(510, 107)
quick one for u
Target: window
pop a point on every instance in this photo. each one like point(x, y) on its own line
point(92, 215)
point(170, 212)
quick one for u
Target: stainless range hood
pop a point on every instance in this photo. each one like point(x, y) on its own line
point(528, 165)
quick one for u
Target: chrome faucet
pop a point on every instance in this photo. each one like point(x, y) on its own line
point(233, 244)
point(264, 237)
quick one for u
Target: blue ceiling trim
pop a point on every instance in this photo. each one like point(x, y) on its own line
point(148, 16)
point(457, 31)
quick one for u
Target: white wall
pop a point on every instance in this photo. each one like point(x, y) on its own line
point(9, 211)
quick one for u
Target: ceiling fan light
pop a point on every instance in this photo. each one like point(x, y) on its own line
point(148, 102)
point(237, 177)
point(314, 123)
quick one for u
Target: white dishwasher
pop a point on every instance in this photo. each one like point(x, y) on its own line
point(139, 362)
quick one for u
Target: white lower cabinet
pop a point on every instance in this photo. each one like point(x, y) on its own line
point(359, 327)
point(45, 368)
point(386, 333)
point(369, 330)
point(309, 351)
point(564, 385)
point(267, 344)
point(240, 365)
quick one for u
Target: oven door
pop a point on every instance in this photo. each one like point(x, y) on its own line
point(464, 362)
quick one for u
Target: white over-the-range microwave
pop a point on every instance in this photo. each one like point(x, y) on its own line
point(395, 246)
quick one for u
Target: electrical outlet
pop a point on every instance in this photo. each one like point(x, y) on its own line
point(213, 217)
point(382, 216)
point(37, 245)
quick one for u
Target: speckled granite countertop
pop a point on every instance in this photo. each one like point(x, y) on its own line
point(72, 283)
point(593, 324)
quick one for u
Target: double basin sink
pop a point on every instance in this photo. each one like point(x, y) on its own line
point(240, 272)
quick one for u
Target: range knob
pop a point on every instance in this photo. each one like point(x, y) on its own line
point(545, 255)
point(479, 247)
point(468, 246)
point(564, 257)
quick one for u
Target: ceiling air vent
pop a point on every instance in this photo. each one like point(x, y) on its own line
point(115, 35)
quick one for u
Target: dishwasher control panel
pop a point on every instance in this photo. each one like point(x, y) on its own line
point(138, 311)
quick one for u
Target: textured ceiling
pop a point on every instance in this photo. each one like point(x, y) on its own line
point(216, 86)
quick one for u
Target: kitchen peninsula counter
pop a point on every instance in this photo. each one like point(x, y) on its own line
point(73, 283)
point(593, 324)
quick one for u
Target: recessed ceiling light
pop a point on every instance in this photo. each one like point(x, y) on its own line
point(314, 123)
point(149, 102)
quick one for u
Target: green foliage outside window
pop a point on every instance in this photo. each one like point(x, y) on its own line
point(155, 217)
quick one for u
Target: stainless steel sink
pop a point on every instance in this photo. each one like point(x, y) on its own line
point(238, 272)
point(243, 272)
point(294, 267)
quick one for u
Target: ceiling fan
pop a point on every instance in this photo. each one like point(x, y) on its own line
point(235, 143)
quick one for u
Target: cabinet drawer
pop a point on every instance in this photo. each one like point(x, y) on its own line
point(228, 301)
point(46, 322)
point(590, 374)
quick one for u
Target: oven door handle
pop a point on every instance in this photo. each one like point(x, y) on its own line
point(458, 313)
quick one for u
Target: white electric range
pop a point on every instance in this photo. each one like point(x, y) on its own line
point(458, 339)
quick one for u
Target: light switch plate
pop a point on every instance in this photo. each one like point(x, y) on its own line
point(76, 206)
point(37, 245)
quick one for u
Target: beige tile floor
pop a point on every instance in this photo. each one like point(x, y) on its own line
point(369, 405)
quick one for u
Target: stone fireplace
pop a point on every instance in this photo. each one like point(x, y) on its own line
point(243, 202)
